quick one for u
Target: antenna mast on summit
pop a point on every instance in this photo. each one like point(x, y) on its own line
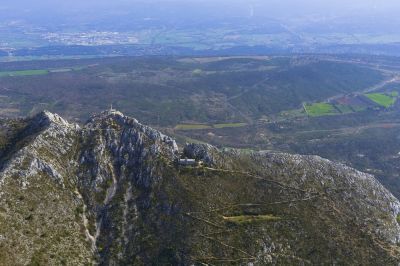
point(112, 99)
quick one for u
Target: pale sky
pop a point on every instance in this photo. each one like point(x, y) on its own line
point(199, 9)
point(302, 5)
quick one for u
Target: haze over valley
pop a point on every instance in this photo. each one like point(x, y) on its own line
point(73, 28)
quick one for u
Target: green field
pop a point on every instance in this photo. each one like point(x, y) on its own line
point(191, 127)
point(229, 125)
point(319, 109)
point(382, 99)
point(38, 72)
point(344, 109)
point(24, 73)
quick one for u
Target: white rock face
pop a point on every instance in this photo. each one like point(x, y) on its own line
point(46, 132)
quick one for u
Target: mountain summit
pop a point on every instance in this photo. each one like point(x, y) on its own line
point(114, 192)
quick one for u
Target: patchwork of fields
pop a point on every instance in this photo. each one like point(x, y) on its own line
point(352, 104)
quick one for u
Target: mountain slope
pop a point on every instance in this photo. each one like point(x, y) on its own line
point(112, 193)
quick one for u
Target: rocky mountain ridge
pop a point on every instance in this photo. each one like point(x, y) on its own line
point(112, 192)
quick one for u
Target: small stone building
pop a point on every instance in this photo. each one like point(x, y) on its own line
point(187, 162)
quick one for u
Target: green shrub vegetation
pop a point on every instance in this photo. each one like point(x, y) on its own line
point(167, 92)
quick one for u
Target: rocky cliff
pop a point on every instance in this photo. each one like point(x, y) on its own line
point(113, 193)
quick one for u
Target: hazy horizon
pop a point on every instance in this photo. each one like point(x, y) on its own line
point(199, 24)
point(270, 8)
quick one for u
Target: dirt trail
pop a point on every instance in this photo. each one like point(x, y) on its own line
point(352, 130)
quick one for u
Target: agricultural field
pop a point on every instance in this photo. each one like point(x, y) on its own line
point(191, 127)
point(382, 99)
point(229, 125)
point(320, 109)
point(344, 109)
point(351, 104)
point(37, 72)
point(23, 73)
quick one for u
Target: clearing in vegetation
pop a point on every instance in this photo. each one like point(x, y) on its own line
point(244, 219)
